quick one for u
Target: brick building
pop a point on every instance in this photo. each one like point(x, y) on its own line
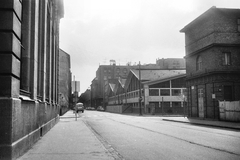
point(212, 61)
point(104, 74)
point(171, 63)
point(29, 35)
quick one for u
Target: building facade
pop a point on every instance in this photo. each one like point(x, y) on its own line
point(166, 95)
point(171, 63)
point(160, 92)
point(64, 81)
point(104, 75)
point(29, 35)
point(212, 61)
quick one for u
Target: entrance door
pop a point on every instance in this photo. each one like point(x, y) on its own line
point(200, 103)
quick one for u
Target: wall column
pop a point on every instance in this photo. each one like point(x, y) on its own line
point(10, 47)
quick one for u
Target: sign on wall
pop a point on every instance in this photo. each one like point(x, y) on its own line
point(75, 86)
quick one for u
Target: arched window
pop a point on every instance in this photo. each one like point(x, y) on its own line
point(199, 63)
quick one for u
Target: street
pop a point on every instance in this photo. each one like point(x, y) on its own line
point(136, 138)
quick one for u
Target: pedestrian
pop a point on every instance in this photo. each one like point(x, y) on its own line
point(76, 111)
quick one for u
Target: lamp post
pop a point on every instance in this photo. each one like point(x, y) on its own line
point(140, 92)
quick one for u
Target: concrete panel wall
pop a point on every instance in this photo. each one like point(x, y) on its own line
point(114, 109)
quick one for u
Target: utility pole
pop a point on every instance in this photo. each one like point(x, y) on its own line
point(140, 92)
point(75, 93)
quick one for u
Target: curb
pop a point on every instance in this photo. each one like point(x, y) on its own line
point(203, 124)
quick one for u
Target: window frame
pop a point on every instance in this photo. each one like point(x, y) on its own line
point(199, 63)
point(226, 58)
point(179, 93)
point(163, 91)
point(153, 91)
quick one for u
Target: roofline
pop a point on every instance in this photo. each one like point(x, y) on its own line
point(196, 19)
point(63, 51)
point(165, 79)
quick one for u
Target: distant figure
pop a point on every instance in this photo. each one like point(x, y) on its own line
point(79, 107)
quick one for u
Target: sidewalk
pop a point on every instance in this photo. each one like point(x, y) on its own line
point(68, 139)
point(195, 121)
point(211, 123)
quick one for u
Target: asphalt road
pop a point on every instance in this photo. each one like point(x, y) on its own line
point(150, 138)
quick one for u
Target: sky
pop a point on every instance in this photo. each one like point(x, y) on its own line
point(93, 32)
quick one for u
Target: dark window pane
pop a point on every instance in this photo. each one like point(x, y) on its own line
point(165, 92)
point(176, 92)
point(176, 104)
point(153, 92)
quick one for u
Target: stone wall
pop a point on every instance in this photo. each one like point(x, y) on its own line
point(28, 99)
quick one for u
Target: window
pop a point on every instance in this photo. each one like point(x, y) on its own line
point(176, 64)
point(176, 92)
point(238, 22)
point(118, 70)
point(125, 71)
point(153, 92)
point(199, 63)
point(227, 59)
point(176, 104)
point(165, 92)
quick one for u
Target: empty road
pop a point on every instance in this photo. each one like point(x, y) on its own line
point(150, 138)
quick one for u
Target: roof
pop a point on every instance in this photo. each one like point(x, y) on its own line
point(122, 81)
point(164, 79)
point(112, 86)
point(152, 75)
point(149, 75)
point(212, 10)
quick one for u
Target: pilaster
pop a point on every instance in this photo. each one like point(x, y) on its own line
point(10, 49)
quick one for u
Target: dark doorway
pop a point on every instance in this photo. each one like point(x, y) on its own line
point(228, 93)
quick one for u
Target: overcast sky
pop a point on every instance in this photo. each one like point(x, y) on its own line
point(95, 31)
